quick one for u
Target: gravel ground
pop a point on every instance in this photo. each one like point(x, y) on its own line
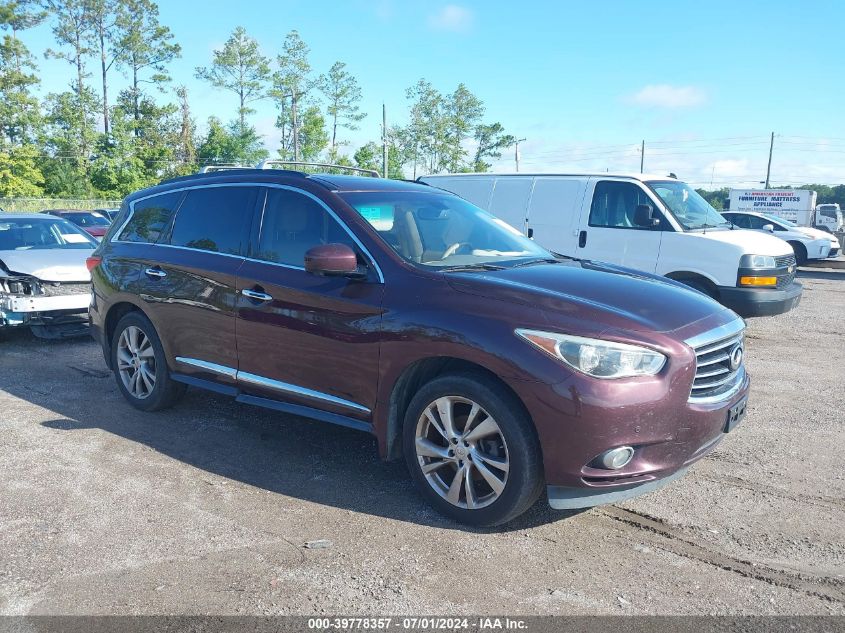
point(206, 508)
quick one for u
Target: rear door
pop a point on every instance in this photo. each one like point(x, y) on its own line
point(553, 212)
point(307, 340)
point(509, 201)
point(608, 232)
point(189, 279)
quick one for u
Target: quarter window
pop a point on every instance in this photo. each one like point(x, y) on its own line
point(150, 217)
point(215, 219)
point(615, 203)
point(294, 223)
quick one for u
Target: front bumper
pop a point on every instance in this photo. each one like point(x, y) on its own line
point(755, 302)
point(27, 310)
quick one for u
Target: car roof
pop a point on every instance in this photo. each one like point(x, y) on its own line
point(25, 216)
point(331, 182)
point(597, 174)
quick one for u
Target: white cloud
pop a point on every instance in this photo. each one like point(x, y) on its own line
point(666, 96)
point(452, 17)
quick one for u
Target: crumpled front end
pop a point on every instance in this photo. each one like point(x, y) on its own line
point(51, 309)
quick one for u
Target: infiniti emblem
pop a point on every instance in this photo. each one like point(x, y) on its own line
point(735, 358)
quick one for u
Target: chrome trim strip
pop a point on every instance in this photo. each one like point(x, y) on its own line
point(298, 391)
point(214, 367)
point(716, 334)
point(328, 209)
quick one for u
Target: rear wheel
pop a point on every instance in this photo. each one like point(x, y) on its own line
point(140, 366)
point(472, 451)
point(800, 253)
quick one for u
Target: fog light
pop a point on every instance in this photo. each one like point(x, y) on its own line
point(616, 458)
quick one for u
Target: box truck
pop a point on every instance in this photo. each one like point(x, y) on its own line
point(796, 205)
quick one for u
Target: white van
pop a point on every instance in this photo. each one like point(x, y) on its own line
point(651, 223)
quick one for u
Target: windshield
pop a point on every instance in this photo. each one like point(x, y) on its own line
point(690, 209)
point(442, 230)
point(87, 219)
point(20, 234)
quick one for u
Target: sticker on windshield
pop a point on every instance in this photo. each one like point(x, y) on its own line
point(380, 217)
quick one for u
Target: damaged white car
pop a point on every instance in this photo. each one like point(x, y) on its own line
point(44, 281)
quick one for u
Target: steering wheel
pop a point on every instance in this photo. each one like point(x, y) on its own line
point(454, 248)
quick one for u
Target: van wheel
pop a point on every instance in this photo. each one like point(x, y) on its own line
point(800, 253)
point(695, 284)
point(472, 451)
point(140, 366)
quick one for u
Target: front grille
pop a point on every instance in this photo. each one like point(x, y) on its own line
point(60, 289)
point(785, 260)
point(715, 377)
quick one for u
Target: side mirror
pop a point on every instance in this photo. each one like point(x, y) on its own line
point(769, 227)
point(643, 216)
point(332, 260)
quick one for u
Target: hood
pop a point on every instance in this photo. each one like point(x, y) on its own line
point(751, 242)
point(605, 295)
point(55, 264)
point(816, 234)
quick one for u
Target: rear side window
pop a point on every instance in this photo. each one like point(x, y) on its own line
point(294, 223)
point(150, 217)
point(215, 219)
point(614, 205)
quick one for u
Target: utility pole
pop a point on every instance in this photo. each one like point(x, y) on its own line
point(516, 152)
point(769, 168)
point(642, 156)
point(384, 173)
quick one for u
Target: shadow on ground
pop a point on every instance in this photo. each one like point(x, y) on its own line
point(283, 454)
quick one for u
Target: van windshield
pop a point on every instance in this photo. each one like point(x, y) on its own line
point(441, 230)
point(690, 209)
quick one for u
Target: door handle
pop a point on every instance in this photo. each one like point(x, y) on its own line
point(155, 272)
point(256, 295)
point(582, 239)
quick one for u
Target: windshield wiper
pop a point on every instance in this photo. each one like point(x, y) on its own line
point(531, 262)
point(470, 267)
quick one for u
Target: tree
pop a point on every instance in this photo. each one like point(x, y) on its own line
point(369, 156)
point(291, 84)
point(343, 95)
point(187, 153)
point(72, 30)
point(103, 15)
point(68, 137)
point(240, 68)
point(19, 109)
point(19, 174)
point(463, 111)
point(490, 140)
point(426, 132)
point(145, 45)
point(19, 15)
point(233, 145)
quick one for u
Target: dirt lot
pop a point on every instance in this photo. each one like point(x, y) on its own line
point(206, 508)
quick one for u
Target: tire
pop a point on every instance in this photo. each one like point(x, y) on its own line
point(153, 389)
point(800, 253)
point(513, 443)
point(695, 284)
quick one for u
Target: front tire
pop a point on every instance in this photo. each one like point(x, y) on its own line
point(472, 451)
point(140, 366)
point(800, 253)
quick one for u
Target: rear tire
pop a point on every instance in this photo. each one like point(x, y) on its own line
point(800, 253)
point(140, 366)
point(472, 451)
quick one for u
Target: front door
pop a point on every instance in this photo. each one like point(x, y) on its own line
point(609, 233)
point(304, 339)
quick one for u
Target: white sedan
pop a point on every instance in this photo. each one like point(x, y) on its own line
point(808, 243)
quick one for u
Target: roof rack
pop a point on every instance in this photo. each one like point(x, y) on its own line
point(221, 167)
point(272, 163)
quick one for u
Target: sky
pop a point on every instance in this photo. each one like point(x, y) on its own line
point(704, 84)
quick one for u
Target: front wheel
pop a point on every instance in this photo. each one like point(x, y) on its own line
point(140, 366)
point(472, 451)
point(800, 253)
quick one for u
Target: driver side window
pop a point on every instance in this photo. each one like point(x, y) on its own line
point(615, 204)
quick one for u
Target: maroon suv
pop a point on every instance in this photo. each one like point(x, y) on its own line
point(494, 367)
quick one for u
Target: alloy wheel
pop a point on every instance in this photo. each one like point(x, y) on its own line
point(462, 452)
point(136, 362)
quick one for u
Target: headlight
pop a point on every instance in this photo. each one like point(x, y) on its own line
point(601, 359)
point(757, 261)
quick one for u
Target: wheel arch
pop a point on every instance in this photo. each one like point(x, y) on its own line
point(417, 374)
point(114, 314)
point(688, 275)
